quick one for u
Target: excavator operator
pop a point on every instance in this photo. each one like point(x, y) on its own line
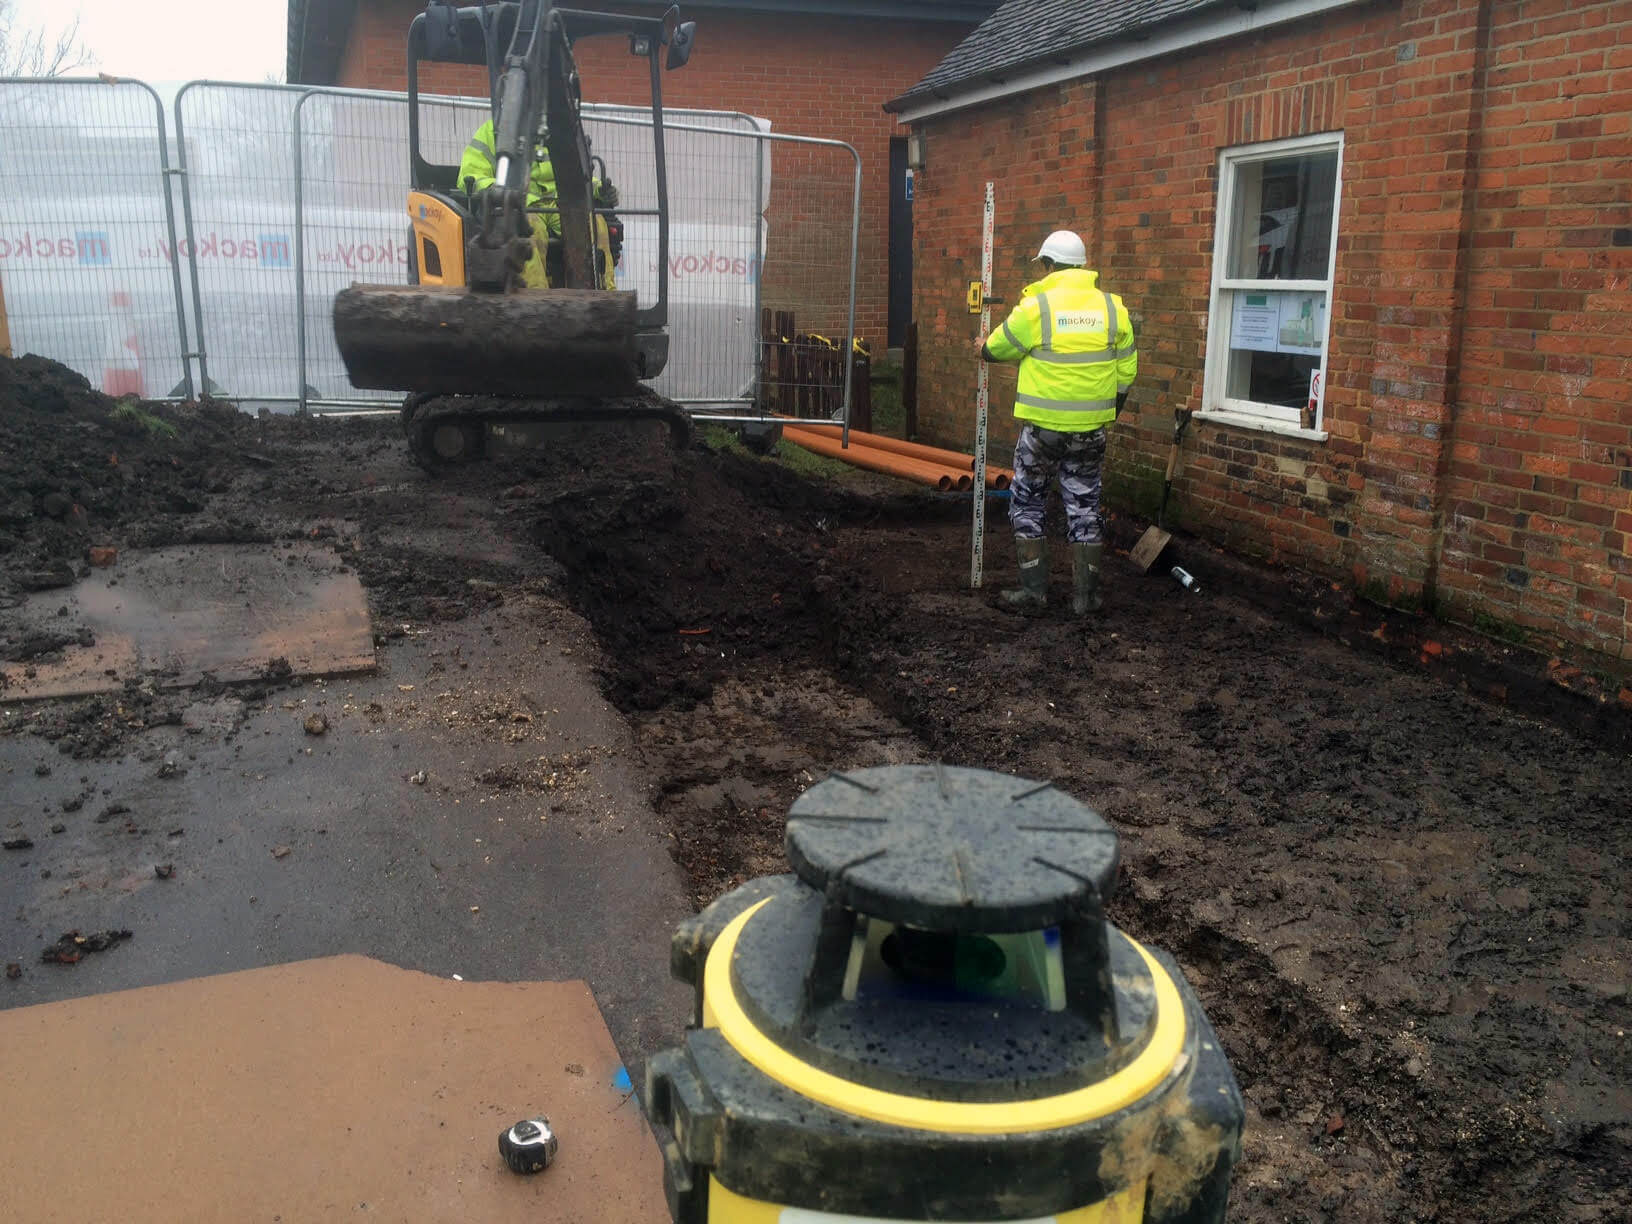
point(477, 164)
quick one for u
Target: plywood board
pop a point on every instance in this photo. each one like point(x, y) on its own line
point(319, 1090)
point(178, 613)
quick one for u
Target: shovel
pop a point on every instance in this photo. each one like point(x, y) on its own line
point(1155, 539)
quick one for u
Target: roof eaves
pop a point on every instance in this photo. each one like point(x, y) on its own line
point(1085, 57)
point(318, 30)
point(1023, 65)
point(966, 12)
point(292, 40)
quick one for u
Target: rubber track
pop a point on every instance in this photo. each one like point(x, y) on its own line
point(422, 414)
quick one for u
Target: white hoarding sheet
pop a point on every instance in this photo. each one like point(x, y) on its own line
point(85, 269)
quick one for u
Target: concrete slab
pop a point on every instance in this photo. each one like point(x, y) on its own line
point(223, 609)
point(309, 1091)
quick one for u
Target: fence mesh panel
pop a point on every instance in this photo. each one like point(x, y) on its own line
point(715, 172)
point(238, 144)
point(355, 170)
point(86, 248)
point(806, 284)
point(289, 195)
point(354, 219)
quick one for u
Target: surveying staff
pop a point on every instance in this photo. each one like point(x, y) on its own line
point(1074, 344)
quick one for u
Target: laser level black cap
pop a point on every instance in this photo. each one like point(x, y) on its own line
point(952, 849)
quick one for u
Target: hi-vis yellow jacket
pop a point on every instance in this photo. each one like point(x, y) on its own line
point(478, 163)
point(1074, 343)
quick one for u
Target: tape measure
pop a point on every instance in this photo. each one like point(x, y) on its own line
point(529, 1146)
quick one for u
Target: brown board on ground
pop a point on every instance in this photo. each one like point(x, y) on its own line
point(229, 610)
point(1150, 546)
point(330, 1088)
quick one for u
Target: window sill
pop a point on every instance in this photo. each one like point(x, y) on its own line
point(1243, 420)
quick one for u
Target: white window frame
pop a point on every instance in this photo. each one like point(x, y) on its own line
point(1215, 402)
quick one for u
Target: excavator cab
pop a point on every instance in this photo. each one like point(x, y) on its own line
point(512, 317)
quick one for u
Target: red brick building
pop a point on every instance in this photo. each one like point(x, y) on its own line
point(1382, 247)
point(818, 68)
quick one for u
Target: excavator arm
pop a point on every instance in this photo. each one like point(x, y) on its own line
point(536, 100)
point(536, 104)
point(492, 353)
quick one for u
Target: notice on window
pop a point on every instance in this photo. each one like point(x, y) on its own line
point(1255, 322)
point(1302, 324)
point(1279, 323)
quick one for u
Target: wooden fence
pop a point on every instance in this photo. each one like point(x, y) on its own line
point(802, 375)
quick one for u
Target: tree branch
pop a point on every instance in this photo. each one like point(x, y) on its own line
point(29, 53)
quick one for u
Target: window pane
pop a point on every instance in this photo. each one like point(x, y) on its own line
point(1281, 379)
point(1276, 343)
point(1283, 218)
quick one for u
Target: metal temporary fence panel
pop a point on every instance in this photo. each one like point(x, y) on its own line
point(237, 153)
point(354, 225)
point(353, 154)
point(718, 182)
point(807, 283)
point(287, 194)
point(87, 244)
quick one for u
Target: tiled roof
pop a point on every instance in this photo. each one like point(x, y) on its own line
point(318, 30)
point(1028, 32)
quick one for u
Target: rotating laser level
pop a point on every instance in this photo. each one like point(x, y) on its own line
point(932, 1020)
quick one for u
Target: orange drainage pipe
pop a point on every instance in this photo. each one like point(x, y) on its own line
point(937, 476)
point(996, 477)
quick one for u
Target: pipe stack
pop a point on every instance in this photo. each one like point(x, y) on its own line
point(945, 470)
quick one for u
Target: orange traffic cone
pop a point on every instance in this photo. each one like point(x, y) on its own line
point(122, 372)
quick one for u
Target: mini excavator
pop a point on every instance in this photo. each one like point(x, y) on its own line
point(482, 349)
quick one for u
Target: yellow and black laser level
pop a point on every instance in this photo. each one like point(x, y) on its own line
point(932, 1020)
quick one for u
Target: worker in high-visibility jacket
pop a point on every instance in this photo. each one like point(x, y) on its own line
point(1074, 343)
point(476, 167)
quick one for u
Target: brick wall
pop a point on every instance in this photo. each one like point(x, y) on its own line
point(809, 75)
point(1478, 455)
point(1538, 490)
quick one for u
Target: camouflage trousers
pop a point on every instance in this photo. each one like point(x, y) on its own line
point(1078, 458)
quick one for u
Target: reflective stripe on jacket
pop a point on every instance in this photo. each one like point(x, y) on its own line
point(478, 163)
point(1075, 346)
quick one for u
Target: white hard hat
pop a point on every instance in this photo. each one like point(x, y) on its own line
point(1064, 247)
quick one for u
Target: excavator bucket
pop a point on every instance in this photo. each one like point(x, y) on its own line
point(438, 340)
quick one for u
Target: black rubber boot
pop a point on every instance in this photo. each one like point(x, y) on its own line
point(1033, 590)
point(1085, 578)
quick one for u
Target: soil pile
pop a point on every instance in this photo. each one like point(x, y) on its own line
point(80, 470)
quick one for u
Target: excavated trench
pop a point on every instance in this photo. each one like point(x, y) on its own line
point(1400, 901)
point(1392, 858)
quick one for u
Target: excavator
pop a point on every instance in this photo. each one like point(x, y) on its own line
point(484, 349)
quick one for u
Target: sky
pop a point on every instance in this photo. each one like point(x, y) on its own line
point(172, 40)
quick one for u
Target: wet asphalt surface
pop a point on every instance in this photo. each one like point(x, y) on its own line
point(281, 845)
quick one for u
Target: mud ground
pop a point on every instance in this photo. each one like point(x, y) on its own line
point(1392, 857)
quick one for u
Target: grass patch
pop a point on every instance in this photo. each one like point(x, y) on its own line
point(809, 464)
point(133, 417)
point(1376, 591)
point(795, 458)
point(889, 411)
point(1501, 630)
